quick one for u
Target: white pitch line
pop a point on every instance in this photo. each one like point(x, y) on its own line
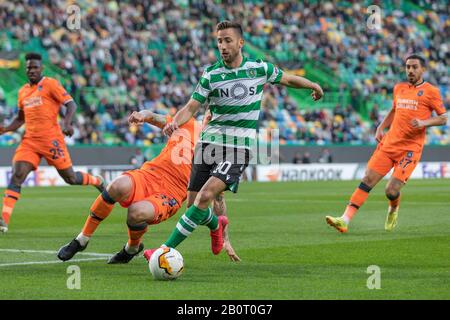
point(327, 201)
point(47, 262)
point(54, 252)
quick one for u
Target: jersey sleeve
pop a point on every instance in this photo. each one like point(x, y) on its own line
point(58, 93)
point(203, 88)
point(19, 100)
point(435, 102)
point(394, 105)
point(273, 73)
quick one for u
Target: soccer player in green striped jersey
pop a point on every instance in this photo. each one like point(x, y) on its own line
point(233, 89)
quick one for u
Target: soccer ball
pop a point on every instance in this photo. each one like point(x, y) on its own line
point(166, 264)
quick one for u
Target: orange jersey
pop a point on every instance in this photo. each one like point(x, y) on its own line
point(41, 103)
point(411, 102)
point(175, 160)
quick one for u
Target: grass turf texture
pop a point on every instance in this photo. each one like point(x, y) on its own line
point(278, 229)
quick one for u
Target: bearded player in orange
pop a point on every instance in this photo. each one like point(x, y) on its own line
point(39, 103)
point(401, 147)
point(152, 194)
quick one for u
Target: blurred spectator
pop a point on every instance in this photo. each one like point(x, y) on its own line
point(325, 156)
point(297, 158)
point(138, 159)
point(306, 157)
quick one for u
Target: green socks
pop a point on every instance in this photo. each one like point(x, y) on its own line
point(189, 222)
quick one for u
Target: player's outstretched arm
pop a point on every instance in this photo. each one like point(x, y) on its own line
point(220, 208)
point(386, 123)
point(18, 121)
point(298, 82)
point(182, 116)
point(138, 118)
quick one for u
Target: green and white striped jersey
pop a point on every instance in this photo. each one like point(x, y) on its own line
point(234, 97)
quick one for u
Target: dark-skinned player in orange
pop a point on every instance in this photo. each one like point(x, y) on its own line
point(39, 103)
point(401, 147)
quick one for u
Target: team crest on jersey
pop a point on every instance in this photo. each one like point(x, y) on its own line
point(223, 75)
point(409, 154)
point(40, 87)
point(420, 93)
point(251, 73)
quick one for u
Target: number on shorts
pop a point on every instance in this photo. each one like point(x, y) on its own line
point(57, 153)
point(404, 163)
point(223, 167)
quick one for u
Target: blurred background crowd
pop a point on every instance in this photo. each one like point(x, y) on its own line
point(148, 54)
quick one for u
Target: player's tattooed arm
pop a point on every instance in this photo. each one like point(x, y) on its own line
point(156, 119)
point(220, 208)
point(182, 116)
point(138, 118)
point(18, 121)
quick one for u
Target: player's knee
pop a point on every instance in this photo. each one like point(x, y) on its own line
point(18, 177)
point(114, 190)
point(205, 197)
point(139, 212)
point(70, 179)
point(134, 217)
point(118, 190)
point(391, 193)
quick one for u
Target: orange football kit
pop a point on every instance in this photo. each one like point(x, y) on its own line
point(163, 181)
point(41, 103)
point(401, 147)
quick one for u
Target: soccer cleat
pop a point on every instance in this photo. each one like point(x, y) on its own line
point(101, 186)
point(337, 223)
point(124, 257)
point(391, 219)
point(69, 250)
point(3, 226)
point(217, 235)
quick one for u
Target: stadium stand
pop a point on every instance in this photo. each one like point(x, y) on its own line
point(129, 56)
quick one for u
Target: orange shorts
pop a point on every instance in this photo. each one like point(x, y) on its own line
point(54, 151)
point(403, 162)
point(149, 186)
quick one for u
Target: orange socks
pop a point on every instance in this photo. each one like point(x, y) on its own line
point(84, 179)
point(135, 234)
point(394, 203)
point(9, 201)
point(100, 209)
point(356, 201)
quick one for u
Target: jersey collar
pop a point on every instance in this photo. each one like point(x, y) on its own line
point(40, 81)
point(417, 85)
point(244, 60)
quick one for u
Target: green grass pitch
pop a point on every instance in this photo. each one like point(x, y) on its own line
point(278, 229)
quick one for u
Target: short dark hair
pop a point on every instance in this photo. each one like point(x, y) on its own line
point(416, 56)
point(226, 24)
point(33, 56)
